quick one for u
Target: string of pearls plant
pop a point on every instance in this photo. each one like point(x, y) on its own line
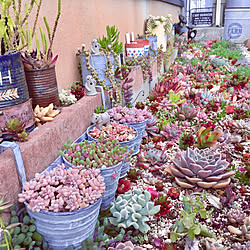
point(116, 83)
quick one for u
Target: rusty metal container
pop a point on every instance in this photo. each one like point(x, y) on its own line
point(23, 112)
point(42, 86)
point(13, 86)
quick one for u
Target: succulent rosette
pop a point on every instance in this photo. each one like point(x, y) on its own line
point(202, 168)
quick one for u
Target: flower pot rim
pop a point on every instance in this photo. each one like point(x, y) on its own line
point(41, 69)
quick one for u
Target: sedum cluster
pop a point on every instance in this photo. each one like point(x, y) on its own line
point(128, 115)
point(66, 97)
point(63, 190)
point(95, 154)
point(120, 132)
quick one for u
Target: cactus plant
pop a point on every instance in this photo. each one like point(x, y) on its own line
point(16, 129)
point(62, 189)
point(132, 209)
point(207, 139)
point(203, 168)
point(66, 98)
point(187, 111)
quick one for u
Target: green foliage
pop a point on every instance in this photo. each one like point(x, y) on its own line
point(100, 109)
point(195, 61)
point(189, 223)
point(225, 50)
point(103, 236)
point(242, 176)
point(175, 97)
point(242, 71)
point(111, 42)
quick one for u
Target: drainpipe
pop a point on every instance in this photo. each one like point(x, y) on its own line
point(218, 13)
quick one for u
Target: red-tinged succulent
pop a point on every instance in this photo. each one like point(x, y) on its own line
point(206, 138)
point(123, 186)
point(165, 205)
point(77, 90)
point(174, 192)
point(186, 140)
point(239, 147)
point(229, 198)
point(159, 186)
point(229, 109)
point(209, 124)
point(212, 106)
point(153, 193)
point(133, 174)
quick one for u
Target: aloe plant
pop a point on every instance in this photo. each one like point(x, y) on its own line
point(111, 42)
point(206, 138)
point(14, 31)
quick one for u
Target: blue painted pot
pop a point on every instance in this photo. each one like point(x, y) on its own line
point(99, 64)
point(13, 86)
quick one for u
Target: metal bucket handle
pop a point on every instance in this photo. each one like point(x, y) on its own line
point(18, 159)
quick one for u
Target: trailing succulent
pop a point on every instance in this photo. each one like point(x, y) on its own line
point(203, 168)
point(133, 209)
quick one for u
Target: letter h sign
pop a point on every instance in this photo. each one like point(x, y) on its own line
point(5, 77)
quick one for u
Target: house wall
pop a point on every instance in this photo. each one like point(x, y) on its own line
point(82, 21)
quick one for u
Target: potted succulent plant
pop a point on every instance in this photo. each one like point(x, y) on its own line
point(65, 204)
point(107, 156)
point(39, 67)
point(14, 95)
point(101, 65)
point(124, 134)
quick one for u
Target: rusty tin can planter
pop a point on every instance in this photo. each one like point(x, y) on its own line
point(42, 86)
point(13, 86)
point(23, 112)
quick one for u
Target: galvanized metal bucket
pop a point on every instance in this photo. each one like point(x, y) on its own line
point(42, 86)
point(13, 86)
point(111, 177)
point(140, 127)
point(60, 230)
point(125, 169)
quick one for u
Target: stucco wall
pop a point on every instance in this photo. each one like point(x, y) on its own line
point(82, 21)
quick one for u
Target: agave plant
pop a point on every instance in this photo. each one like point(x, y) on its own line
point(202, 168)
point(207, 139)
